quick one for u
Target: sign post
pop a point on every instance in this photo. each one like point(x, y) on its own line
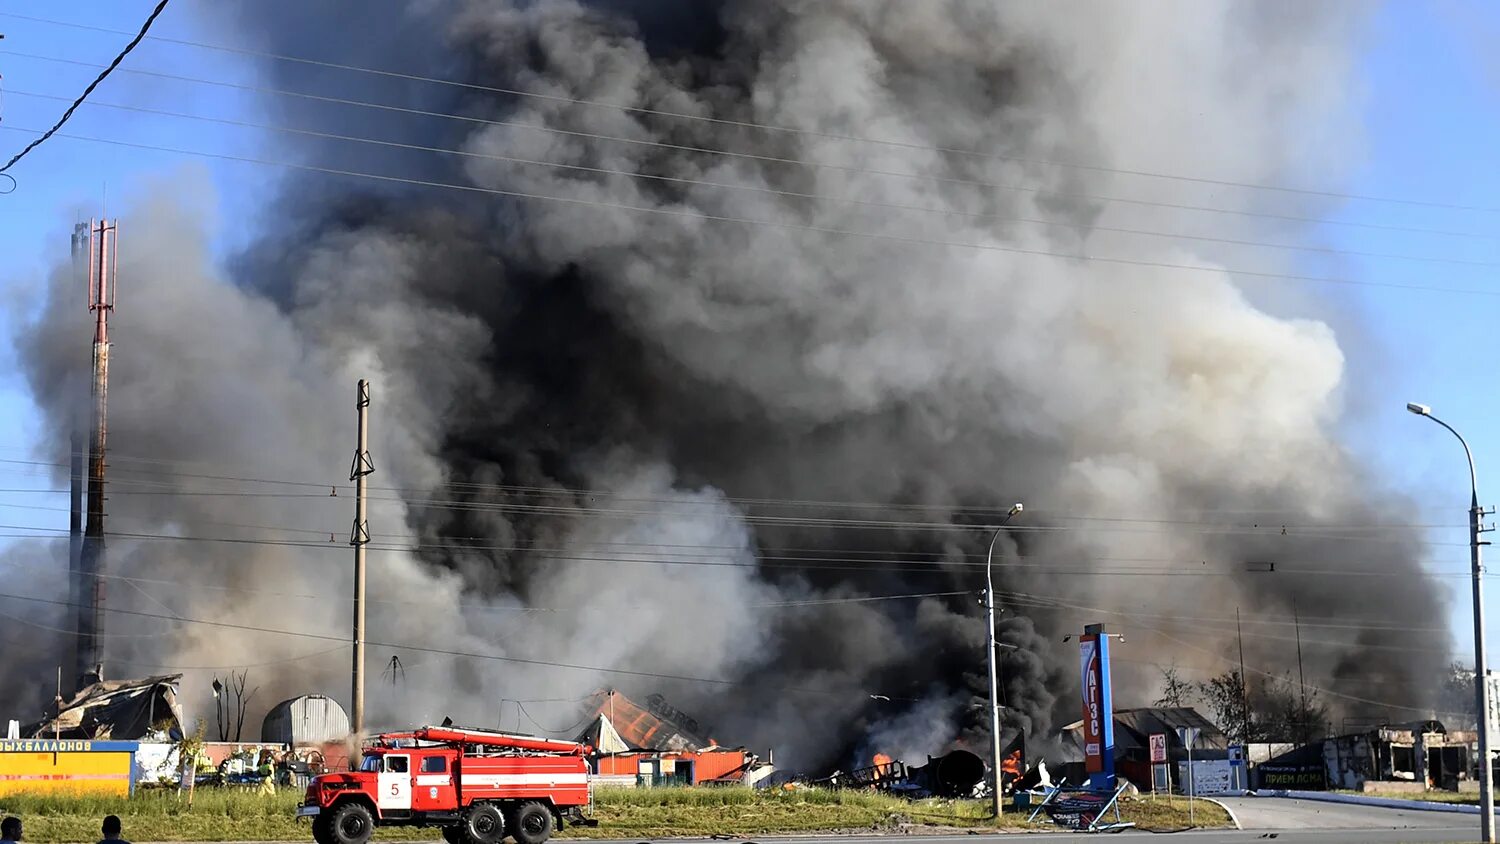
point(1098, 709)
point(1189, 735)
point(1158, 756)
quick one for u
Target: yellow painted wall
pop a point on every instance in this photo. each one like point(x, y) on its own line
point(87, 772)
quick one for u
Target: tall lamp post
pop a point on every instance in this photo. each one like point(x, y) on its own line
point(989, 605)
point(1481, 682)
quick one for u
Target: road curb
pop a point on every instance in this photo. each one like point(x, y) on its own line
point(1384, 802)
point(1232, 816)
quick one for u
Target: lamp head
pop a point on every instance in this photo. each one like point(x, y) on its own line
point(1419, 409)
point(1015, 509)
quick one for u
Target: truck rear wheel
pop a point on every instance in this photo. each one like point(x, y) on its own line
point(483, 824)
point(533, 823)
point(351, 824)
point(453, 834)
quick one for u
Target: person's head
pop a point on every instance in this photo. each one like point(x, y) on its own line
point(111, 827)
point(10, 829)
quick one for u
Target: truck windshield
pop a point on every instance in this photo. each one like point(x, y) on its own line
point(371, 763)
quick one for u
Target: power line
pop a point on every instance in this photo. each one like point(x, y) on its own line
point(447, 652)
point(776, 224)
point(613, 495)
point(760, 158)
point(745, 124)
point(950, 510)
point(266, 664)
point(160, 7)
point(812, 197)
point(593, 606)
point(872, 567)
point(597, 669)
point(712, 510)
point(604, 606)
point(1330, 623)
point(1206, 651)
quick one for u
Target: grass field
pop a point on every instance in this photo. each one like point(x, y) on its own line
point(219, 815)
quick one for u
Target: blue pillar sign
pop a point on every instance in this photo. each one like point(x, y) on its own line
point(1098, 709)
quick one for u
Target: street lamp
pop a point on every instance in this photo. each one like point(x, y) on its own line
point(1481, 684)
point(989, 603)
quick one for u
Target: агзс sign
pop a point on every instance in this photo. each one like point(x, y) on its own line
point(1098, 717)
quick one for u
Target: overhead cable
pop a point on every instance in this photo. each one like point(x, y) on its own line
point(767, 127)
point(160, 7)
point(798, 195)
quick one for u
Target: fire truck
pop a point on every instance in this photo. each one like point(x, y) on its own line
point(478, 786)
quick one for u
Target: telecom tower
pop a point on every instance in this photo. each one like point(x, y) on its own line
point(102, 263)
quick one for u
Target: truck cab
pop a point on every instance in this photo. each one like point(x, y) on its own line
point(417, 780)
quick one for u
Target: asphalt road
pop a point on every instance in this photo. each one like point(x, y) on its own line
point(1276, 813)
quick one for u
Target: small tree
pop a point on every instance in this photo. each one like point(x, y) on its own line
point(1175, 691)
point(230, 703)
point(1456, 698)
point(189, 747)
point(1291, 714)
point(1228, 698)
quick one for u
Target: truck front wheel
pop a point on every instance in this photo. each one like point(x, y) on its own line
point(483, 824)
point(351, 823)
point(533, 823)
point(322, 829)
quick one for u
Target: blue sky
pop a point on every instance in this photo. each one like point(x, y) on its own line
point(1432, 126)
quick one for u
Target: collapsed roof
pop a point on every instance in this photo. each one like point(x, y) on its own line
point(119, 710)
point(655, 726)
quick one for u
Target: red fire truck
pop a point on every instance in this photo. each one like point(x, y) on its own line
point(479, 786)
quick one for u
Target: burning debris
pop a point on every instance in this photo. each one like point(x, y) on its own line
point(956, 774)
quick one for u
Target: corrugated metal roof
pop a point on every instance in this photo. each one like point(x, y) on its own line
point(309, 719)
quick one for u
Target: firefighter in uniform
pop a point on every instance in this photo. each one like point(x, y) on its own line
point(267, 772)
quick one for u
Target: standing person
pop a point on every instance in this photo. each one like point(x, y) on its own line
point(111, 831)
point(267, 773)
point(10, 829)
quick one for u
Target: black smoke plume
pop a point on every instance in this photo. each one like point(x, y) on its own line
point(596, 395)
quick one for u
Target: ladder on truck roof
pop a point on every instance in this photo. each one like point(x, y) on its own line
point(491, 738)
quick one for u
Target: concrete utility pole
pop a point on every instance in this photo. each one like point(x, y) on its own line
point(1481, 686)
point(359, 537)
point(989, 605)
point(102, 264)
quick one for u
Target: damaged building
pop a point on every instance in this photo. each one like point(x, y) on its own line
point(655, 745)
point(1419, 755)
point(117, 710)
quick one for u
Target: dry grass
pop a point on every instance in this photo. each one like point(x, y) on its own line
point(232, 815)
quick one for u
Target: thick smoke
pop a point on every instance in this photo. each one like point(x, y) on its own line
point(592, 409)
